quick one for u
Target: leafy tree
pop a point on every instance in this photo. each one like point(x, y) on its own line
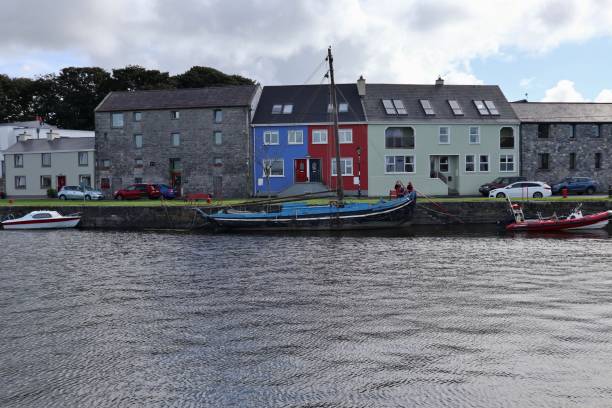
point(78, 92)
point(199, 77)
point(135, 77)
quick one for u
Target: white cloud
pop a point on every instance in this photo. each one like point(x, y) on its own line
point(604, 96)
point(563, 91)
point(283, 41)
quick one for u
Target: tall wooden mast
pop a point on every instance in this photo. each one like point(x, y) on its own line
point(334, 101)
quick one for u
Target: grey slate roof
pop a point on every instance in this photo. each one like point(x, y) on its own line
point(309, 104)
point(210, 97)
point(72, 144)
point(568, 112)
point(28, 124)
point(438, 97)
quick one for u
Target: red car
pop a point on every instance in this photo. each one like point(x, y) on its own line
point(136, 191)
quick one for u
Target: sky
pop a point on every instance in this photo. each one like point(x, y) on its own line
point(545, 50)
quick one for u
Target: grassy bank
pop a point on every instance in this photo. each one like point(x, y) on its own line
point(180, 203)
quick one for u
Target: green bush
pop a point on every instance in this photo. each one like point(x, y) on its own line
point(51, 193)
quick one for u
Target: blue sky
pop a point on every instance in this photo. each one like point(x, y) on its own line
point(587, 64)
point(554, 50)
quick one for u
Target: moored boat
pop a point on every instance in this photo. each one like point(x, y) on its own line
point(575, 221)
point(301, 216)
point(43, 219)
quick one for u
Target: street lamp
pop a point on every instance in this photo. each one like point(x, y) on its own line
point(358, 171)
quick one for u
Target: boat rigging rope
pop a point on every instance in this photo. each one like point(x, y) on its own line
point(443, 210)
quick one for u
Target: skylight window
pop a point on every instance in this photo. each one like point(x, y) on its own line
point(482, 109)
point(276, 109)
point(389, 107)
point(287, 109)
point(399, 106)
point(492, 108)
point(427, 107)
point(343, 107)
point(455, 107)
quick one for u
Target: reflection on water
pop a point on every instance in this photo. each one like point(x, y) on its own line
point(432, 319)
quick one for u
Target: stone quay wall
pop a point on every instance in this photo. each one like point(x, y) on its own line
point(427, 213)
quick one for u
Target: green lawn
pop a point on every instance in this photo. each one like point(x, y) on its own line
point(157, 203)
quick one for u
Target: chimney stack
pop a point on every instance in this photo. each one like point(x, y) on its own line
point(52, 136)
point(439, 81)
point(361, 86)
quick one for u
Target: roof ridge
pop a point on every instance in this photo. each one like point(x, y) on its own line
point(180, 89)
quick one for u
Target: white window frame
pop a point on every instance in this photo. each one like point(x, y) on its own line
point(175, 115)
point(344, 161)
point(47, 177)
point(477, 134)
point(506, 163)
point(320, 133)
point(269, 136)
point(448, 136)
point(81, 162)
point(42, 159)
point(176, 139)
point(465, 163)
point(447, 164)
point(480, 163)
point(345, 140)
point(18, 161)
point(405, 156)
point(273, 160)
point(293, 135)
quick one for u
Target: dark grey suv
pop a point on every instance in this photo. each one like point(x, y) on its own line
point(499, 183)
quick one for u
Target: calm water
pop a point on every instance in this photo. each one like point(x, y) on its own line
point(112, 319)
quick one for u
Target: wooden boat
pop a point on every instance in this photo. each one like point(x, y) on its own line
point(301, 216)
point(337, 215)
point(42, 220)
point(575, 221)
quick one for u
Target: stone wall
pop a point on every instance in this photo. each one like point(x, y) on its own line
point(197, 151)
point(560, 144)
point(427, 213)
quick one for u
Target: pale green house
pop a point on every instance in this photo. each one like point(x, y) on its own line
point(445, 139)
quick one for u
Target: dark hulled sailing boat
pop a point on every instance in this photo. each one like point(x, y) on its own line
point(337, 215)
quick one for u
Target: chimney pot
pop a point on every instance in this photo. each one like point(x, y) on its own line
point(439, 81)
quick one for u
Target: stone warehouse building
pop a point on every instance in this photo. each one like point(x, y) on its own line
point(562, 139)
point(197, 140)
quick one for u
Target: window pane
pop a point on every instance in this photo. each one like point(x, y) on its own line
point(389, 108)
point(492, 108)
point(426, 105)
point(138, 141)
point(399, 138)
point(176, 139)
point(117, 120)
point(343, 107)
point(277, 109)
point(218, 137)
point(218, 115)
point(287, 109)
point(482, 109)
point(399, 106)
point(455, 107)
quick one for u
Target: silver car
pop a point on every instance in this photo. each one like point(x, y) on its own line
point(79, 193)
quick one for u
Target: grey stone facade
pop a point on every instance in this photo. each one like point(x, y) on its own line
point(584, 140)
point(207, 167)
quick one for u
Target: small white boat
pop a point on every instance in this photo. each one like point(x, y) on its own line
point(42, 220)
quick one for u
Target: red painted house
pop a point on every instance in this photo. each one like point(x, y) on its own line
point(353, 155)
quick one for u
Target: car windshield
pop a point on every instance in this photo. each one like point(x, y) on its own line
point(497, 180)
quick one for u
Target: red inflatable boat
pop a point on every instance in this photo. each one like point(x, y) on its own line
point(576, 221)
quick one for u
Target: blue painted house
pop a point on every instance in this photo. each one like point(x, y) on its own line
point(276, 147)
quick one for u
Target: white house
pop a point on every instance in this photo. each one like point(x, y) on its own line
point(32, 166)
point(11, 132)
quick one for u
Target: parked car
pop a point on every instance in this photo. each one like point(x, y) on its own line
point(136, 191)
point(576, 185)
point(166, 191)
point(535, 189)
point(499, 183)
point(79, 193)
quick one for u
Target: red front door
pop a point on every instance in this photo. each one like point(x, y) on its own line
point(61, 182)
point(300, 171)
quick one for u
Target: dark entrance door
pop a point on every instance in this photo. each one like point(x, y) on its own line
point(300, 171)
point(218, 187)
point(61, 182)
point(315, 170)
